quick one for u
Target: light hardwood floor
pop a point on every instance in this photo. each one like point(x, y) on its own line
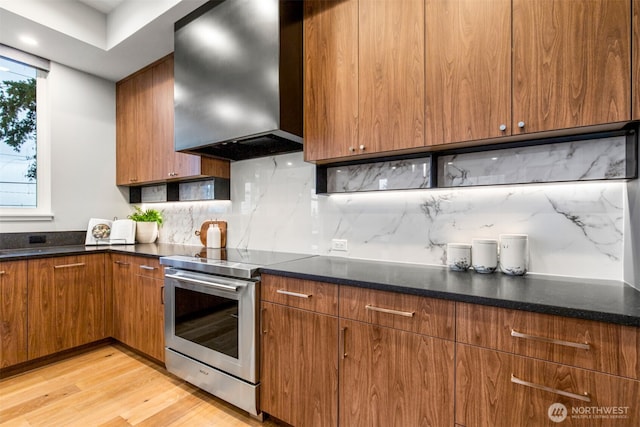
point(111, 386)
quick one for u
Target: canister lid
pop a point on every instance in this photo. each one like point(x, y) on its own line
point(459, 245)
point(484, 241)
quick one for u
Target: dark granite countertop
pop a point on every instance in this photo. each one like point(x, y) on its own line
point(602, 300)
point(608, 301)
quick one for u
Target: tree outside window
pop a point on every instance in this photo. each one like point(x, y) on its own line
point(18, 177)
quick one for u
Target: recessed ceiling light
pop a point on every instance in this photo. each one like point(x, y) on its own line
point(28, 40)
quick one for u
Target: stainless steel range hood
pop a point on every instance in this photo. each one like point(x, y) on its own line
point(238, 79)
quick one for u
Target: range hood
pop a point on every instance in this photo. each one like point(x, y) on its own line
point(238, 79)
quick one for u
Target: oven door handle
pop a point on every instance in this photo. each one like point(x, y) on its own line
point(202, 282)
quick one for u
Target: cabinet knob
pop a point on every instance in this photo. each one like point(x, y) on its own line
point(362, 147)
point(173, 174)
point(503, 127)
point(133, 179)
point(352, 149)
point(521, 125)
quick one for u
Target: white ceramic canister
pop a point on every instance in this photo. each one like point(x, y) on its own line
point(484, 254)
point(458, 256)
point(514, 254)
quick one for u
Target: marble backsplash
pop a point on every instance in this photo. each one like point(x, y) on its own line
point(575, 229)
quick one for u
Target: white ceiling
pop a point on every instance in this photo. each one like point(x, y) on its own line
point(107, 38)
point(104, 6)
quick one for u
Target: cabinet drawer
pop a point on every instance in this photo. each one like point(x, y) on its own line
point(587, 344)
point(149, 267)
point(428, 316)
point(140, 266)
point(500, 389)
point(305, 294)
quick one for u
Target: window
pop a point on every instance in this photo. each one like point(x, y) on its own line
point(24, 155)
point(18, 150)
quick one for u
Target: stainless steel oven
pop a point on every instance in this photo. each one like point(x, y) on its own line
point(211, 321)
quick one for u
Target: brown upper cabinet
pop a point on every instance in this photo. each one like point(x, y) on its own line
point(144, 131)
point(330, 78)
point(364, 77)
point(635, 80)
point(570, 66)
point(468, 60)
point(384, 76)
point(571, 63)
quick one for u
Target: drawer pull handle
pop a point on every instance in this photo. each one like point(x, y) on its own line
point(389, 311)
point(2, 272)
point(584, 397)
point(343, 344)
point(78, 264)
point(147, 267)
point(121, 263)
point(582, 346)
point(292, 294)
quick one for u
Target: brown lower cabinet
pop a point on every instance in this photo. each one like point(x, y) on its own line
point(13, 313)
point(299, 369)
point(138, 312)
point(66, 303)
point(387, 376)
point(496, 389)
point(390, 377)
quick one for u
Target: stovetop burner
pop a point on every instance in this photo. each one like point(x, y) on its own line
point(242, 263)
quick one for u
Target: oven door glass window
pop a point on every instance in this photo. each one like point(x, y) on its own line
point(208, 320)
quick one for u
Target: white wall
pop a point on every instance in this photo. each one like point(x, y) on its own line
point(83, 155)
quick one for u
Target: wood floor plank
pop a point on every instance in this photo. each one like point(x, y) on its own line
point(41, 401)
point(110, 386)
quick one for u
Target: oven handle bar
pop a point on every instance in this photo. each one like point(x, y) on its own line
point(202, 282)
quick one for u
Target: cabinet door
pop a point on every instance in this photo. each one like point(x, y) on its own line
point(123, 297)
point(150, 309)
point(330, 78)
point(495, 389)
point(299, 370)
point(135, 151)
point(571, 62)
point(126, 151)
point(394, 378)
point(66, 303)
point(167, 162)
point(13, 313)
point(391, 75)
point(635, 79)
point(468, 70)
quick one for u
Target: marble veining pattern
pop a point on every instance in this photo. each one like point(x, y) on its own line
point(154, 193)
point(575, 229)
point(392, 175)
point(198, 190)
point(582, 160)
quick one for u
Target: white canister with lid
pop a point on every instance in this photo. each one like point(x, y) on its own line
point(458, 256)
point(514, 254)
point(484, 254)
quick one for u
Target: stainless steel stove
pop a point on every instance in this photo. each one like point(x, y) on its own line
point(211, 320)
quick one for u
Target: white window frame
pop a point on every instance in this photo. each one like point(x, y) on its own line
point(42, 211)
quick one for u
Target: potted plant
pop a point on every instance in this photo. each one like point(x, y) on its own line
point(147, 224)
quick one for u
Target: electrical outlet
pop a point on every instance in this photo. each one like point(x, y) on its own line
point(37, 239)
point(339, 245)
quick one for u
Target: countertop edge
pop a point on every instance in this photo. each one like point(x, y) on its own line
point(578, 313)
